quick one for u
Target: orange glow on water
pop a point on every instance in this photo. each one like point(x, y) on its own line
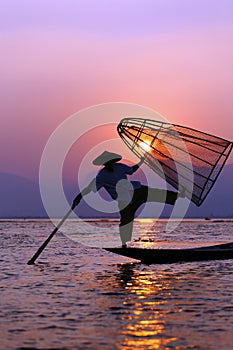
point(142, 344)
point(146, 321)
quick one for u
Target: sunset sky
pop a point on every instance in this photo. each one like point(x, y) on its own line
point(60, 56)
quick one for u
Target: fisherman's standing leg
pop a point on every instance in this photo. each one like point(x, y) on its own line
point(127, 213)
point(126, 231)
point(126, 223)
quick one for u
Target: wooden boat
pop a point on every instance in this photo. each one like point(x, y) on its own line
point(165, 256)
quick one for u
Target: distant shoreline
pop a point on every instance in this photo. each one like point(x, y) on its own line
point(31, 219)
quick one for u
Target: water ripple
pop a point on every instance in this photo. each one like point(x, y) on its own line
point(77, 297)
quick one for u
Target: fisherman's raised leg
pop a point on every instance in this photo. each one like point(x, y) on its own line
point(163, 196)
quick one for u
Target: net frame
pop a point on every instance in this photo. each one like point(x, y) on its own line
point(169, 143)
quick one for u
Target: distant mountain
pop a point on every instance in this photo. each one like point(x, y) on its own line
point(219, 202)
point(20, 197)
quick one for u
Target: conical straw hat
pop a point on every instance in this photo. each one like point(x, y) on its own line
point(106, 157)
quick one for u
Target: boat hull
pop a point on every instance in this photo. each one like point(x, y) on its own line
point(167, 256)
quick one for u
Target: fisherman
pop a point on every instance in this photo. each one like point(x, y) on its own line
point(129, 194)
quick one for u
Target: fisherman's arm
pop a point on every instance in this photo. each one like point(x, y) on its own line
point(83, 193)
point(136, 166)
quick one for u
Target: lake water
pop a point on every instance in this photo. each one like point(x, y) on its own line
point(80, 297)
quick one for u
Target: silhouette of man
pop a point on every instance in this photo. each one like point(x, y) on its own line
point(130, 195)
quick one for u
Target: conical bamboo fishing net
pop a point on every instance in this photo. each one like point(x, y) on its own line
point(184, 157)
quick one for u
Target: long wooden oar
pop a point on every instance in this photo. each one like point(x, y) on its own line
point(43, 246)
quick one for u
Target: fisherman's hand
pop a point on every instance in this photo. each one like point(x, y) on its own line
point(142, 160)
point(136, 166)
point(76, 200)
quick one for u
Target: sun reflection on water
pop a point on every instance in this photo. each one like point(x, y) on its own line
point(146, 315)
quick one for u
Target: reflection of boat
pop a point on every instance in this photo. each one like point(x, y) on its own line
point(164, 256)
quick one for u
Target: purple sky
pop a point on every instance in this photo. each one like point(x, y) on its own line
point(57, 56)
